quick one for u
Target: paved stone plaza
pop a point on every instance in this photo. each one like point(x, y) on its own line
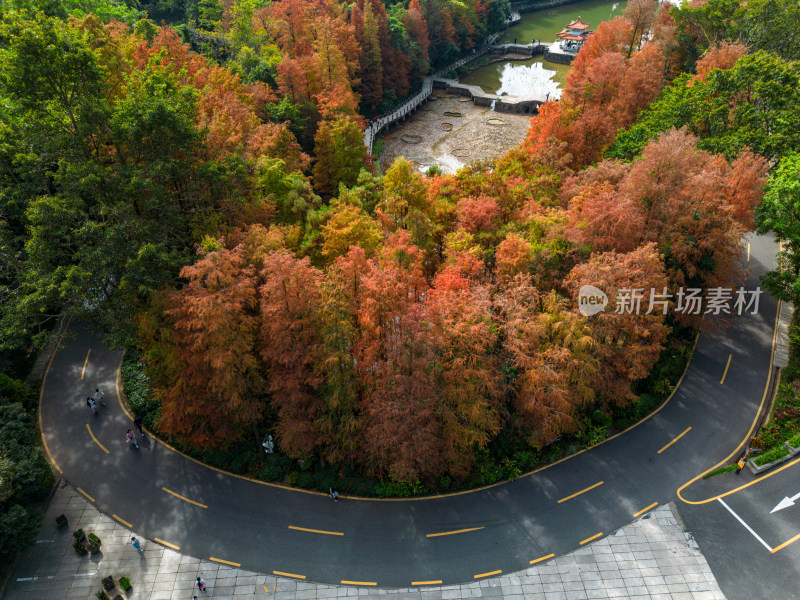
point(650, 559)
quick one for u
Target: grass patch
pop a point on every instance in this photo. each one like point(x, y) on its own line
point(728, 469)
point(771, 456)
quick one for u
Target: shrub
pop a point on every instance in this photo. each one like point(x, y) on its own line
point(124, 583)
point(771, 456)
point(79, 547)
point(102, 596)
point(137, 389)
point(306, 480)
point(795, 441)
point(108, 582)
point(400, 489)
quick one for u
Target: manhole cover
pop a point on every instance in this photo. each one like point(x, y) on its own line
point(460, 152)
point(496, 122)
point(465, 100)
point(447, 126)
point(411, 139)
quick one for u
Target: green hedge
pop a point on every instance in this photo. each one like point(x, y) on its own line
point(771, 456)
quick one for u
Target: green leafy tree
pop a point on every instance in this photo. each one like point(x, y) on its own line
point(780, 212)
point(340, 154)
point(730, 110)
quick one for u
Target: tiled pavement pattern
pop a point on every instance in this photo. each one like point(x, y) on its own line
point(650, 559)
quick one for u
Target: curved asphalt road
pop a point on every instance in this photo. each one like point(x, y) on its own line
point(387, 543)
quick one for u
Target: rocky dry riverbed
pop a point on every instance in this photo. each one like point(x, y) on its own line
point(451, 132)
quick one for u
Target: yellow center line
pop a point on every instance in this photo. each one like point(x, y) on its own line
point(591, 487)
point(167, 544)
point(184, 498)
point(121, 520)
point(88, 497)
point(746, 437)
point(225, 562)
point(85, 362)
point(103, 448)
point(316, 530)
point(284, 574)
point(748, 252)
point(685, 431)
point(541, 558)
point(436, 582)
point(721, 381)
point(346, 582)
point(645, 509)
point(786, 543)
point(594, 537)
point(453, 532)
point(488, 574)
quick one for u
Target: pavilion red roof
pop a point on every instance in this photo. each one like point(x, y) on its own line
point(578, 24)
point(565, 35)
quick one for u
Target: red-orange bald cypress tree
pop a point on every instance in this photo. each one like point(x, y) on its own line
point(291, 347)
point(550, 350)
point(214, 389)
point(466, 367)
point(628, 341)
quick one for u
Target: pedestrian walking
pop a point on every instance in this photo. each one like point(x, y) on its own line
point(135, 543)
point(92, 404)
point(131, 437)
point(334, 494)
point(137, 422)
point(98, 396)
point(201, 584)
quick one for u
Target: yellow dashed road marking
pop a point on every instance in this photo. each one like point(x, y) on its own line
point(284, 574)
point(725, 373)
point(88, 497)
point(488, 574)
point(594, 537)
point(323, 532)
point(167, 544)
point(85, 362)
point(645, 509)
point(685, 431)
point(121, 520)
point(225, 562)
point(184, 498)
point(541, 558)
point(452, 532)
point(591, 487)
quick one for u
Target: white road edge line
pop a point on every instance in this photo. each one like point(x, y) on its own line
point(746, 526)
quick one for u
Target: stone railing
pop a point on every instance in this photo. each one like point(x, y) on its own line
point(378, 124)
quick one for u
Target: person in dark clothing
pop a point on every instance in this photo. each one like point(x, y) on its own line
point(137, 422)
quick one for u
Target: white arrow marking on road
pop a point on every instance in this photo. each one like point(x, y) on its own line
point(785, 503)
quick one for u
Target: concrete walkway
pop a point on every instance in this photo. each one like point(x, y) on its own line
point(649, 559)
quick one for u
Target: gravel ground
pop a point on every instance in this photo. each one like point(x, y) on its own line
point(431, 137)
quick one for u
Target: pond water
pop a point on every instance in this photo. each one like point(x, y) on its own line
point(545, 24)
point(519, 78)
